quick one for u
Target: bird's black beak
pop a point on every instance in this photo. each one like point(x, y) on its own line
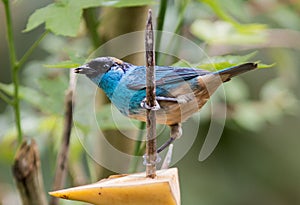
point(84, 69)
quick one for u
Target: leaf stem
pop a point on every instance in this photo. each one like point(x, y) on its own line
point(5, 98)
point(31, 49)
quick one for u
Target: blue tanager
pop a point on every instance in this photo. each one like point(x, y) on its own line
point(180, 91)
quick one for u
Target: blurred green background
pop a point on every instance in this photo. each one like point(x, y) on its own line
point(257, 159)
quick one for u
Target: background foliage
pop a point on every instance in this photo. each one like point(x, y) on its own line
point(257, 159)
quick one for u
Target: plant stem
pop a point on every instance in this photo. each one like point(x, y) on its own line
point(178, 26)
point(10, 33)
point(16, 103)
point(137, 148)
point(151, 154)
point(92, 26)
point(15, 68)
point(160, 24)
point(182, 10)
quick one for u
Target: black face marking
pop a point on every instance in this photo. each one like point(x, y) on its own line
point(102, 65)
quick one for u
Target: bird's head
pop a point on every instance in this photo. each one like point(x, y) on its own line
point(98, 66)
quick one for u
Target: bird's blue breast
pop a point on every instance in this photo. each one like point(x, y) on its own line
point(110, 81)
point(113, 83)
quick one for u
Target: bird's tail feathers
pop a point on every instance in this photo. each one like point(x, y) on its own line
point(228, 73)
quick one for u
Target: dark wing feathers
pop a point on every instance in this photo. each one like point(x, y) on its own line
point(164, 75)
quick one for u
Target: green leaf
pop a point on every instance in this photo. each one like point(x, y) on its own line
point(74, 62)
point(182, 63)
point(53, 90)
point(49, 100)
point(248, 115)
point(221, 62)
point(127, 3)
point(222, 32)
point(63, 64)
point(25, 93)
point(63, 17)
point(6, 88)
point(261, 65)
point(76, 59)
point(227, 30)
point(219, 11)
point(218, 8)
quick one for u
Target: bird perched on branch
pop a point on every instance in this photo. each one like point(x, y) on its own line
point(180, 91)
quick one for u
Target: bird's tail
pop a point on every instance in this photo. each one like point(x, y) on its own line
point(228, 73)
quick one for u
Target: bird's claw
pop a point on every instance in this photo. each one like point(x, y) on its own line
point(146, 106)
point(148, 161)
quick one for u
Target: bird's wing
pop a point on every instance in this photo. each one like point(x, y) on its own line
point(136, 80)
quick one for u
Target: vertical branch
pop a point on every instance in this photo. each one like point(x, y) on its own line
point(62, 158)
point(27, 173)
point(150, 100)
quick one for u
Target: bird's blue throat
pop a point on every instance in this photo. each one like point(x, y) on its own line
point(109, 82)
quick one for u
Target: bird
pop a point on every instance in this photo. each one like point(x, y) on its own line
point(180, 91)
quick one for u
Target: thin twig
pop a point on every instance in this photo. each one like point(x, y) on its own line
point(27, 173)
point(140, 147)
point(62, 158)
point(150, 100)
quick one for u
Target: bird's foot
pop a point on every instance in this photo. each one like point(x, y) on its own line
point(148, 161)
point(146, 106)
point(175, 133)
point(165, 145)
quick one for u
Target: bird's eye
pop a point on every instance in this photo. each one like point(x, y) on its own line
point(106, 66)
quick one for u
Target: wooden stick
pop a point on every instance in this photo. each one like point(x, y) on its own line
point(27, 173)
point(62, 158)
point(151, 154)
